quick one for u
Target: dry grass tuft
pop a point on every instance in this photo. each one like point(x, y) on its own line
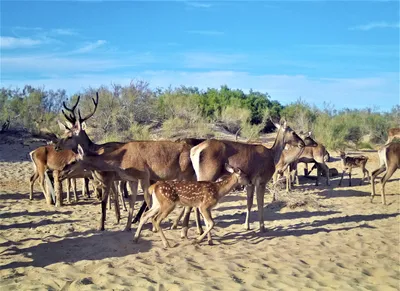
point(294, 199)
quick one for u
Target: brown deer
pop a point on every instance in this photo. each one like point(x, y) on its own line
point(138, 160)
point(257, 161)
point(287, 163)
point(393, 133)
point(309, 141)
point(132, 161)
point(349, 163)
point(46, 157)
point(309, 154)
point(389, 159)
point(75, 133)
point(204, 195)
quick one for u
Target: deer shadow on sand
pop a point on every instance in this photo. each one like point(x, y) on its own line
point(94, 246)
point(305, 228)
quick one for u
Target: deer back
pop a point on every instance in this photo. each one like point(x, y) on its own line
point(311, 154)
point(187, 193)
point(53, 159)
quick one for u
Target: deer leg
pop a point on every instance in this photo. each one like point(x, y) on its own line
point(165, 210)
point(260, 192)
point(374, 174)
point(306, 172)
point(210, 224)
point(185, 222)
point(385, 178)
point(74, 190)
point(139, 214)
point(296, 176)
point(124, 189)
point(132, 199)
point(364, 171)
point(106, 192)
point(58, 188)
point(46, 193)
point(178, 218)
point(116, 202)
point(288, 180)
point(149, 214)
point(121, 190)
point(349, 177)
point(85, 188)
point(324, 167)
point(32, 181)
point(109, 202)
point(250, 198)
point(68, 190)
point(340, 182)
point(198, 221)
point(145, 183)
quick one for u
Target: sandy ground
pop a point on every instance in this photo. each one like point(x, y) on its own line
point(341, 241)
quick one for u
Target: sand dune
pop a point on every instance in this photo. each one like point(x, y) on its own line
point(339, 242)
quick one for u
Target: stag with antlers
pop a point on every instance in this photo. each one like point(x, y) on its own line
point(132, 161)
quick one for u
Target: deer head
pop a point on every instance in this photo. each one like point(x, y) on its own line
point(241, 177)
point(290, 137)
point(74, 129)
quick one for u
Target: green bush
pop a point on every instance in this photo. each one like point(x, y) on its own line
point(140, 132)
point(233, 118)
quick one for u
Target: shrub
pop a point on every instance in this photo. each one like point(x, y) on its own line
point(140, 132)
point(234, 118)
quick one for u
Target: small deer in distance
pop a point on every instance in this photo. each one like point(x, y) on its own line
point(349, 163)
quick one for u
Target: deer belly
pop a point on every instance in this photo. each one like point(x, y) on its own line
point(190, 200)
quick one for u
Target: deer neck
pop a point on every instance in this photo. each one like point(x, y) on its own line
point(226, 185)
point(102, 163)
point(87, 143)
point(278, 146)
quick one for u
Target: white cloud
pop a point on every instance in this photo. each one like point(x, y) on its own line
point(8, 42)
point(206, 32)
point(64, 31)
point(373, 25)
point(208, 60)
point(382, 89)
point(90, 47)
point(68, 63)
point(198, 4)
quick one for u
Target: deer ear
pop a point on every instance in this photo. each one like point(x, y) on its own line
point(81, 153)
point(229, 168)
point(62, 126)
point(83, 126)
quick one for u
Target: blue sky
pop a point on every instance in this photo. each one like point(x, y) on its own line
point(342, 52)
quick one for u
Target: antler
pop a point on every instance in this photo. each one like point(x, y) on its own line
point(71, 117)
point(95, 102)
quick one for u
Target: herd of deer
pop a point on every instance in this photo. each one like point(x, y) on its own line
point(194, 173)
